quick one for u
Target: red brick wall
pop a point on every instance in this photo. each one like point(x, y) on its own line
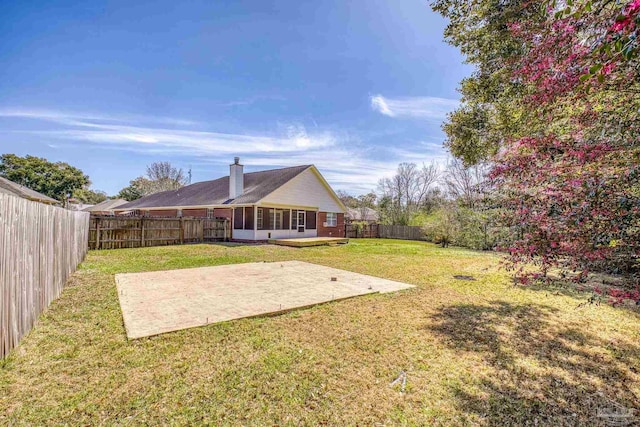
point(223, 213)
point(337, 231)
point(196, 213)
point(163, 213)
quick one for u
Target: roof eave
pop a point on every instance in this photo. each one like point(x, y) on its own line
point(163, 208)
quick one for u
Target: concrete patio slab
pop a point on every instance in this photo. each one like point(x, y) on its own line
point(163, 301)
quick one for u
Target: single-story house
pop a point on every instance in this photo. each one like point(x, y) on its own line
point(362, 215)
point(15, 189)
point(271, 204)
point(75, 205)
point(105, 208)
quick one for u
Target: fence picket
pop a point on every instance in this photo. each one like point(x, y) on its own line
point(404, 232)
point(108, 232)
point(40, 247)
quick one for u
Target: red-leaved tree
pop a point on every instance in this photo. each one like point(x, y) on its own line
point(572, 191)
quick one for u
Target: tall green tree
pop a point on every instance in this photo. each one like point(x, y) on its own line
point(490, 107)
point(58, 180)
point(136, 189)
point(91, 197)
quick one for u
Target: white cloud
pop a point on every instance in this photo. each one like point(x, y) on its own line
point(344, 160)
point(108, 131)
point(379, 103)
point(89, 120)
point(297, 134)
point(424, 107)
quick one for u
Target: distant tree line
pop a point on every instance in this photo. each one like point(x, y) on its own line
point(57, 180)
point(452, 203)
point(66, 183)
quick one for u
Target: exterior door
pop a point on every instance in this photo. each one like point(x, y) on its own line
point(301, 218)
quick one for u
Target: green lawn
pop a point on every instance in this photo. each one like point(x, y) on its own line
point(477, 352)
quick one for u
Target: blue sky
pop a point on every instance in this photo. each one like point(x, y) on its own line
point(354, 87)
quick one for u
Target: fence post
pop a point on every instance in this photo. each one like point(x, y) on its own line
point(142, 232)
point(181, 230)
point(97, 233)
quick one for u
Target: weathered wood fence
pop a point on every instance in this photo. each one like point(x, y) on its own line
point(108, 232)
point(357, 231)
point(40, 247)
point(404, 232)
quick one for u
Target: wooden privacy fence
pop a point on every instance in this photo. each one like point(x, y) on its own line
point(108, 232)
point(404, 232)
point(40, 247)
point(356, 231)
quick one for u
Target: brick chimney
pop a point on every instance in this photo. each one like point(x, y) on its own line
point(236, 179)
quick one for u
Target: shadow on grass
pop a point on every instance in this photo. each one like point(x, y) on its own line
point(582, 293)
point(542, 371)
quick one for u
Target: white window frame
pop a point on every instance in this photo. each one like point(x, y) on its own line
point(260, 223)
point(332, 219)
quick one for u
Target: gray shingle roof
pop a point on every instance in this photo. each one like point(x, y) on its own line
point(16, 189)
point(257, 185)
point(107, 205)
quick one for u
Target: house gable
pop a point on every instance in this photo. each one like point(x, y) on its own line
point(205, 194)
point(307, 189)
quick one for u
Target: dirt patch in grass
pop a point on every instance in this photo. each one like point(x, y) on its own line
point(477, 352)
